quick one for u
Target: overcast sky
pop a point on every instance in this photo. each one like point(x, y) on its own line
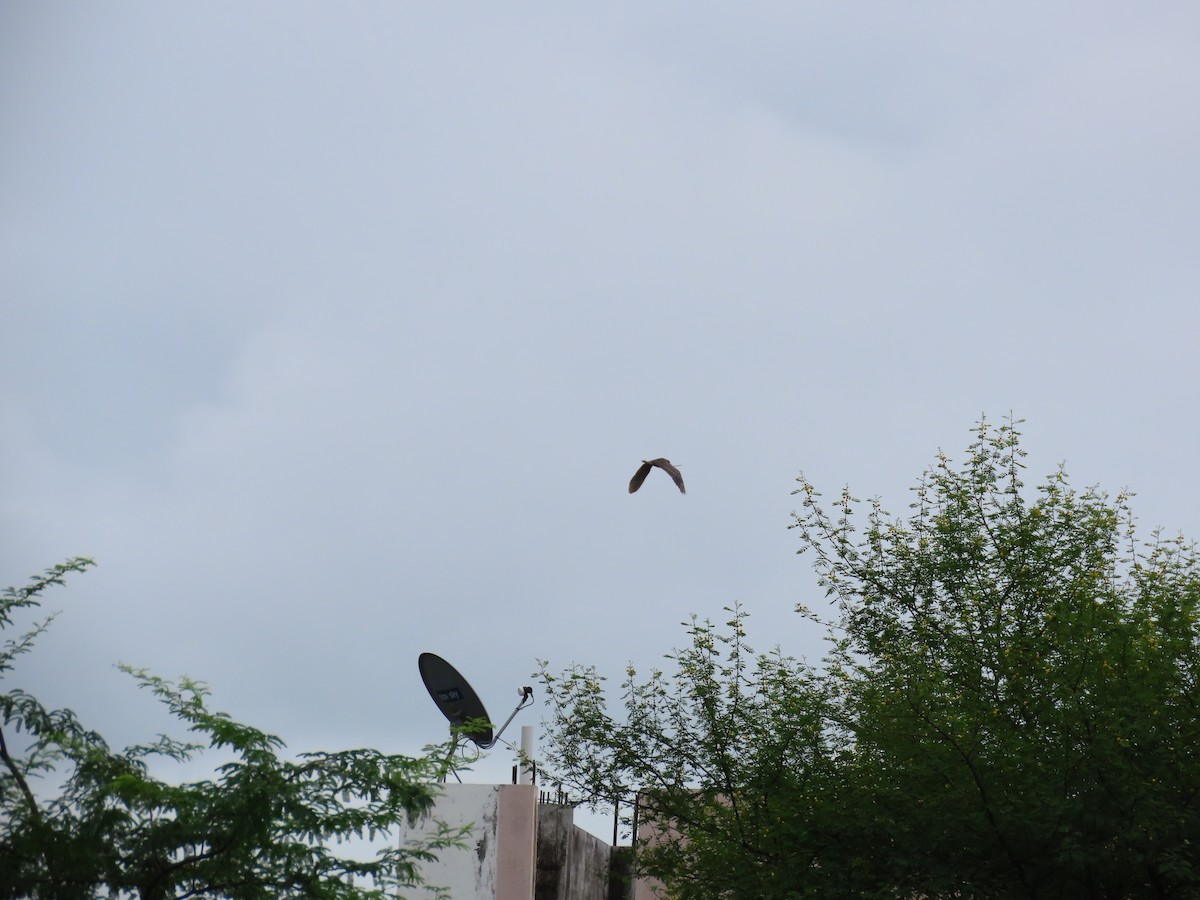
point(334, 332)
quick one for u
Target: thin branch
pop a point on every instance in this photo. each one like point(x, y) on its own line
point(20, 779)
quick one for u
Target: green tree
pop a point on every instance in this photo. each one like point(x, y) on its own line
point(726, 748)
point(1008, 708)
point(261, 828)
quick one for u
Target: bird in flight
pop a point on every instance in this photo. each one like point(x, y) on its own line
point(644, 469)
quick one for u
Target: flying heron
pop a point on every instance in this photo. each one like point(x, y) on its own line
point(644, 469)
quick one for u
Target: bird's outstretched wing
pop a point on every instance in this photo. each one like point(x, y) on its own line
point(676, 475)
point(639, 476)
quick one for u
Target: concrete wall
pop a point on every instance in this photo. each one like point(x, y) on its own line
point(571, 863)
point(519, 849)
point(497, 861)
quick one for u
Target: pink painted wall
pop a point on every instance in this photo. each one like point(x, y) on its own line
point(516, 843)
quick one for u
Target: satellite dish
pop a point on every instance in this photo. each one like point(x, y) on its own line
point(455, 697)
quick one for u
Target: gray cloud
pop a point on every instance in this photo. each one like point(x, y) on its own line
point(336, 334)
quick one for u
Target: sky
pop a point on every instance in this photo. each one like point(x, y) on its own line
point(334, 332)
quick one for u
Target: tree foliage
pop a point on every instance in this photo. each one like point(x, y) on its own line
point(263, 827)
point(1008, 708)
